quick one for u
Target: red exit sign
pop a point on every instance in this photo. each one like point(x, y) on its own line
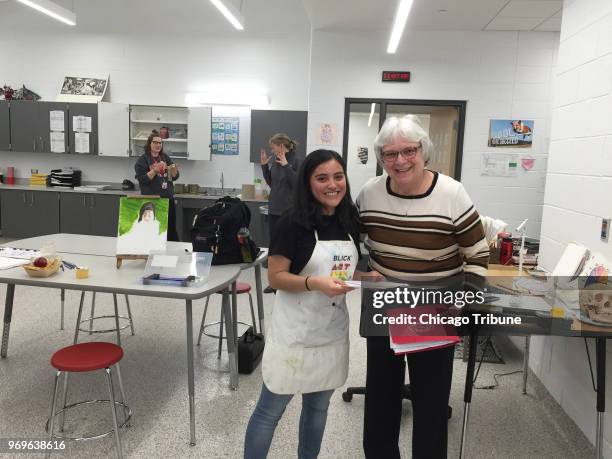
point(402, 77)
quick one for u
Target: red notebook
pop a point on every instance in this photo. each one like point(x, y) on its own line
point(406, 338)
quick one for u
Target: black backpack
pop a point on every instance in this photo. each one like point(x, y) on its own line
point(223, 230)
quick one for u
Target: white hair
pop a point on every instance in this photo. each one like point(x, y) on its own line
point(408, 128)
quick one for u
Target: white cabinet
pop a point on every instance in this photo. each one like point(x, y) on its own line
point(199, 127)
point(113, 129)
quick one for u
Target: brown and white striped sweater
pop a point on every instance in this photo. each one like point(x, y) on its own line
point(435, 234)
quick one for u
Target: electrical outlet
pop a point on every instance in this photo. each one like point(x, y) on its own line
point(605, 229)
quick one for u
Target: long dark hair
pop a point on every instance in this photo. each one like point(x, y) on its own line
point(147, 147)
point(307, 211)
point(146, 206)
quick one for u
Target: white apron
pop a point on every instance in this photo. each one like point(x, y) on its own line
point(307, 345)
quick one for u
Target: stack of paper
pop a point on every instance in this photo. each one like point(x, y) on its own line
point(91, 187)
point(38, 179)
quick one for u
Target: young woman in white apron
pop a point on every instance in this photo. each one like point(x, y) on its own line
point(312, 253)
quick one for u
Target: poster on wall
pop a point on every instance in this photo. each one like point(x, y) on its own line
point(224, 135)
point(83, 89)
point(328, 134)
point(499, 165)
point(511, 133)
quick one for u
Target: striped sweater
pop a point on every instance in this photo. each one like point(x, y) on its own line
point(437, 233)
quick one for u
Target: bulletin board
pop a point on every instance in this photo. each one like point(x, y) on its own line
point(224, 135)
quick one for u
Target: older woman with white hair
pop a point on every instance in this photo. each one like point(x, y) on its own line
point(418, 223)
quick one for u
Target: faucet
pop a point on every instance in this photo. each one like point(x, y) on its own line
point(222, 187)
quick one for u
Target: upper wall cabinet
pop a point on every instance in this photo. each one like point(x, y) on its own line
point(113, 129)
point(53, 127)
point(185, 131)
point(5, 130)
point(266, 123)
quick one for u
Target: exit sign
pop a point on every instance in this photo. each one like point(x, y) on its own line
point(397, 76)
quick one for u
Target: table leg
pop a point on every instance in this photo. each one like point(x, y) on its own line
point(231, 340)
point(234, 313)
point(467, 395)
point(526, 362)
point(600, 359)
point(259, 292)
point(190, 377)
point(62, 299)
point(8, 314)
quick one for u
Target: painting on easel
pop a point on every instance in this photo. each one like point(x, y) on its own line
point(143, 225)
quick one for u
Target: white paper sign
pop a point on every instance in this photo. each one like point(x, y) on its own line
point(81, 142)
point(499, 165)
point(81, 123)
point(164, 261)
point(56, 121)
point(58, 143)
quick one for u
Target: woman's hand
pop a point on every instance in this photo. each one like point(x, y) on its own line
point(173, 169)
point(263, 158)
point(280, 157)
point(328, 285)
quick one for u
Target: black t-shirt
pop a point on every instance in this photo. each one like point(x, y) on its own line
point(297, 243)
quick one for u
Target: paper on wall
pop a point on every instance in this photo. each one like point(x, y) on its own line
point(56, 121)
point(81, 142)
point(58, 142)
point(81, 123)
point(499, 165)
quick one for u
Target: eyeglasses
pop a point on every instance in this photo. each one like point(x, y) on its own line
point(407, 153)
point(155, 141)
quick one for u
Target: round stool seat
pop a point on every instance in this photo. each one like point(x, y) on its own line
point(86, 357)
point(242, 287)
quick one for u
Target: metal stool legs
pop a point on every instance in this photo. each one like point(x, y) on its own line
point(92, 317)
point(203, 324)
point(127, 413)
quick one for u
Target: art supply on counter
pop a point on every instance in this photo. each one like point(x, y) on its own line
point(82, 272)
point(10, 175)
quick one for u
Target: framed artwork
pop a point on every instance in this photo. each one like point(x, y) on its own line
point(83, 89)
point(143, 225)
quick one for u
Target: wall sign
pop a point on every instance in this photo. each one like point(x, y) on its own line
point(511, 133)
point(224, 135)
point(398, 76)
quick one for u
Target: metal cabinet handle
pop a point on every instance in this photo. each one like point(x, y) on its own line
point(23, 195)
point(32, 199)
point(34, 144)
point(84, 205)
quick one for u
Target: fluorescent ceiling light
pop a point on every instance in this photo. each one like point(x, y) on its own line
point(217, 98)
point(230, 13)
point(371, 114)
point(52, 9)
point(401, 16)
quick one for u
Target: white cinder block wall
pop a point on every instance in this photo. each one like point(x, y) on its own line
point(578, 190)
point(502, 75)
point(155, 59)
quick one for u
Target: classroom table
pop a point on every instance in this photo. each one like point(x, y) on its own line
point(105, 277)
point(535, 322)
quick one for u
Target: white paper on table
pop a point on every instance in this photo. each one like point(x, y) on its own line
point(353, 283)
point(164, 261)
point(58, 143)
point(81, 123)
point(81, 142)
point(56, 121)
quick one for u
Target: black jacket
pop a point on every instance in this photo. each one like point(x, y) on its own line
point(154, 186)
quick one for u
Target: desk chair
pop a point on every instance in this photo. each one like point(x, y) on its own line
point(241, 288)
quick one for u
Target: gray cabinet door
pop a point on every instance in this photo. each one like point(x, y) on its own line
point(295, 125)
point(24, 124)
point(43, 140)
point(87, 110)
point(29, 213)
point(5, 129)
point(75, 214)
point(264, 124)
point(44, 210)
point(104, 211)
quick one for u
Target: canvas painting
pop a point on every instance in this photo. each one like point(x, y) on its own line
point(143, 225)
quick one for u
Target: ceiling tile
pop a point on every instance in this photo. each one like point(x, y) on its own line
point(551, 25)
point(513, 23)
point(531, 9)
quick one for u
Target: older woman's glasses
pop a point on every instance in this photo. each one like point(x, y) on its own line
point(407, 153)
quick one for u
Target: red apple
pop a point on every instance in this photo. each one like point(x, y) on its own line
point(41, 262)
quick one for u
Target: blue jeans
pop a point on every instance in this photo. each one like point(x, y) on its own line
point(270, 409)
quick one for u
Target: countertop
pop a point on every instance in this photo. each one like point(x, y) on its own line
point(114, 191)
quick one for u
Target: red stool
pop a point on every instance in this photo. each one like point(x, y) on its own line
point(241, 287)
point(85, 357)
